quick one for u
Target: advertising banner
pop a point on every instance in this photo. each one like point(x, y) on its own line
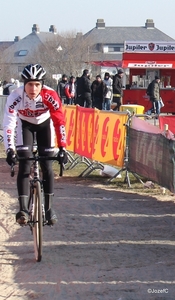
point(70, 117)
point(149, 46)
point(84, 131)
point(169, 120)
point(152, 156)
point(109, 137)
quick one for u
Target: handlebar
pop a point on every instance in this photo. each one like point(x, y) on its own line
point(38, 158)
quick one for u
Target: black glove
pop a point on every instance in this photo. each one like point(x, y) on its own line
point(62, 156)
point(11, 158)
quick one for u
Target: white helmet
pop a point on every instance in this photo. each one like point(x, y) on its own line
point(33, 72)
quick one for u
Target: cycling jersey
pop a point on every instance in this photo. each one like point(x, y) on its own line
point(46, 105)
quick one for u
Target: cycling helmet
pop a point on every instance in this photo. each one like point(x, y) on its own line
point(33, 72)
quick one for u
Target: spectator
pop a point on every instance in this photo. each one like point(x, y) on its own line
point(6, 86)
point(155, 95)
point(84, 90)
point(14, 86)
point(107, 101)
point(70, 91)
point(1, 88)
point(99, 91)
point(61, 88)
point(117, 89)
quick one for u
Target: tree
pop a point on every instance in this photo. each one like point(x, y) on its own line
point(63, 54)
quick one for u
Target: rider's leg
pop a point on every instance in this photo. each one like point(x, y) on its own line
point(50, 213)
point(24, 146)
point(22, 216)
point(48, 183)
point(45, 141)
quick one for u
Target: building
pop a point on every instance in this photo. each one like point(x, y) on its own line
point(108, 45)
point(104, 49)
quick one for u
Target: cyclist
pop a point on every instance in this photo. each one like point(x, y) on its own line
point(34, 107)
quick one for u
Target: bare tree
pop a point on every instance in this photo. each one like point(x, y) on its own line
point(66, 53)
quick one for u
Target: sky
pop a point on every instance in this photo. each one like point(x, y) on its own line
point(18, 17)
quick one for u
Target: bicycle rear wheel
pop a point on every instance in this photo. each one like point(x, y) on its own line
point(37, 227)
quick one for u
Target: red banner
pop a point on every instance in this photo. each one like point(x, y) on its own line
point(84, 131)
point(169, 120)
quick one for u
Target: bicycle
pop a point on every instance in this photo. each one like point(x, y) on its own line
point(36, 205)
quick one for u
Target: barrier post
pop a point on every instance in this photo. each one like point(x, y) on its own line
point(166, 132)
point(126, 158)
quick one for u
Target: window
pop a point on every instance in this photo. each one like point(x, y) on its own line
point(22, 52)
point(116, 48)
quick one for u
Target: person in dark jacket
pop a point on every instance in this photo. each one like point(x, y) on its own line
point(155, 95)
point(99, 91)
point(117, 89)
point(84, 90)
point(61, 88)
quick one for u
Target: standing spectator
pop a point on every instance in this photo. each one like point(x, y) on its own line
point(84, 90)
point(107, 101)
point(155, 95)
point(6, 86)
point(1, 88)
point(117, 89)
point(99, 90)
point(14, 86)
point(70, 91)
point(61, 88)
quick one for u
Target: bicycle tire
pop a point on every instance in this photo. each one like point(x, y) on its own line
point(37, 227)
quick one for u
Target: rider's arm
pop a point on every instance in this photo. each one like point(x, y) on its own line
point(53, 101)
point(9, 122)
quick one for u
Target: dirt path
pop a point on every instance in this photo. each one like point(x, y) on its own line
point(107, 245)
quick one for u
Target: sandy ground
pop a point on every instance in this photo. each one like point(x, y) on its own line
point(107, 245)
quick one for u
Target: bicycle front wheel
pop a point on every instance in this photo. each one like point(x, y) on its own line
point(37, 222)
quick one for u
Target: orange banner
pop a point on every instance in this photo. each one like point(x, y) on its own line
point(70, 117)
point(95, 134)
point(109, 137)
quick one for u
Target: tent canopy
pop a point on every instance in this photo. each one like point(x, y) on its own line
point(107, 63)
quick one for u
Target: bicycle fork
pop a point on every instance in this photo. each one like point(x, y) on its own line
point(32, 208)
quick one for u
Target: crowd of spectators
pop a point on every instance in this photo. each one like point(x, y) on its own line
point(98, 93)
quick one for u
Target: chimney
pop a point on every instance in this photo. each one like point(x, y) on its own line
point(17, 39)
point(53, 29)
point(149, 23)
point(35, 28)
point(100, 24)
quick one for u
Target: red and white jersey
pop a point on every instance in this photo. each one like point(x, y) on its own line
point(46, 105)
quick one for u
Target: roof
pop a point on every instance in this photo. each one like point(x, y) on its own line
point(30, 43)
point(112, 35)
point(5, 45)
point(100, 35)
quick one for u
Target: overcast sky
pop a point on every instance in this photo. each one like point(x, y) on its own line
point(18, 16)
